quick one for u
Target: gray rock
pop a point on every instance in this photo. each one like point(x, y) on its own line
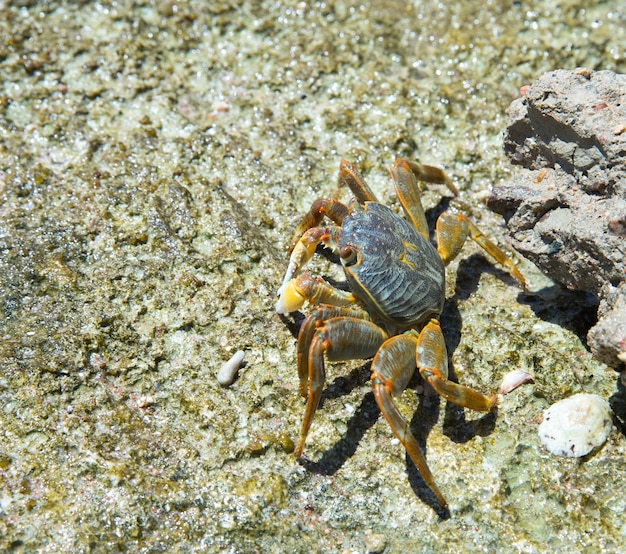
point(567, 211)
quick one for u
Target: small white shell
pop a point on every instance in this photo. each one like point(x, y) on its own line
point(575, 426)
point(228, 372)
point(514, 379)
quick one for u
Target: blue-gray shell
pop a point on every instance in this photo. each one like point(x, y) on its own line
point(400, 277)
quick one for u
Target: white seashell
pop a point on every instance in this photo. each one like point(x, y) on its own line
point(575, 426)
point(228, 372)
point(514, 379)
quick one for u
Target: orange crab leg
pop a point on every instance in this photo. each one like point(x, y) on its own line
point(452, 231)
point(340, 338)
point(405, 174)
point(409, 195)
point(307, 331)
point(432, 361)
point(392, 368)
point(430, 174)
point(349, 175)
point(304, 287)
point(333, 209)
point(303, 252)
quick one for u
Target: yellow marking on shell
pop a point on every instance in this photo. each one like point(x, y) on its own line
point(403, 258)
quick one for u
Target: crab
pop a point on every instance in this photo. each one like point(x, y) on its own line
point(397, 291)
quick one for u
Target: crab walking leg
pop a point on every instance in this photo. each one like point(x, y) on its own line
point(409, 195)
point(392, 369)
point(405, 174)
point(452, 231)
point(314, 289)
point(432, 362)
point(349, 176)
point(307, 331)
point(340, 338)
point(305, 248)
point(331, 208)
point(430, 174)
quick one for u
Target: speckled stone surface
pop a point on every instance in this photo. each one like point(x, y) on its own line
point(154, 158)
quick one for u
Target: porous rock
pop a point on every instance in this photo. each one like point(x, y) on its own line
point(566, 211)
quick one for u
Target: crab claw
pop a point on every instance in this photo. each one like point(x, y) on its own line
point(290, 298)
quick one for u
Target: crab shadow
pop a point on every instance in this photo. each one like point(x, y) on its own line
point(425, 417)
point(617, 401)
point(455, 424)
point(364, 417)
point(575, 311)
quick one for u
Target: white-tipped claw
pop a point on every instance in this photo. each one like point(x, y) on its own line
point(292, 268)
point(290, 298)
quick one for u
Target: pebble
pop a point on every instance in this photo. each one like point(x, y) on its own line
point(375, 543)
point(514, 379)
point(228, 372)
point(573, 427)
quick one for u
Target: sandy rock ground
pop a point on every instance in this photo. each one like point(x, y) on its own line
point(154, 158)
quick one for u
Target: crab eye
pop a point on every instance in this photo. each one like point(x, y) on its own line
point(348, 256)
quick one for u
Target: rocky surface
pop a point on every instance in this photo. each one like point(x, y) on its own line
point(567, 211)
point(154, 158)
